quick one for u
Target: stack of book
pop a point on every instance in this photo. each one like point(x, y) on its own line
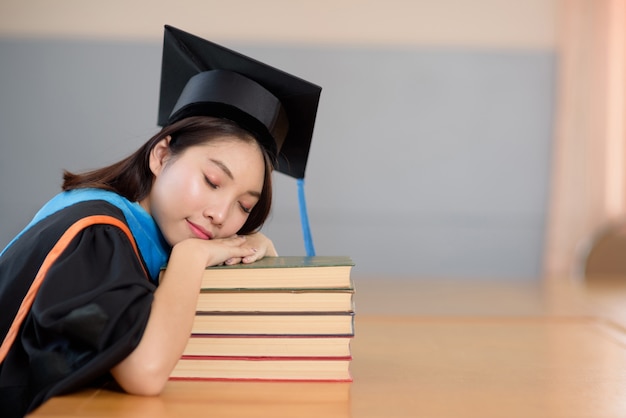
point(280, 318)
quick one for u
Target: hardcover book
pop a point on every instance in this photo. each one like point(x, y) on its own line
point(274, 323)
point(280, 300)
point(263, 368)
point(321, 272)
point(277, 346)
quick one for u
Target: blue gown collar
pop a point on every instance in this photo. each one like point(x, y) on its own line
point(152, 245)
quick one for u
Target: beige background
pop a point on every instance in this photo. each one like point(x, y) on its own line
point(484, 23)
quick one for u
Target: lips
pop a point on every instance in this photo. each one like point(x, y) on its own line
point(198, 231)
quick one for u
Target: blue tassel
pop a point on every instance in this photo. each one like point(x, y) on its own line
point(304, 219)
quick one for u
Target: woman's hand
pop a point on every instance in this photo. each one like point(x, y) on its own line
point(261, 246)
point(213, 252)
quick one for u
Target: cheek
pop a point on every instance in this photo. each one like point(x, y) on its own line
point(172, 198)
point(235, 224)
point(178, 188)
point(190, 193)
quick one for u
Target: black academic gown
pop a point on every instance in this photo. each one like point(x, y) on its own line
point(89, 312)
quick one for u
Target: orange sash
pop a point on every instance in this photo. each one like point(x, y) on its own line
point(52, 256)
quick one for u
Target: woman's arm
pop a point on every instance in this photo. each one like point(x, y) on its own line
point(146, 370)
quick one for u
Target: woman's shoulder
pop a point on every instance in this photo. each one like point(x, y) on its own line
point(41, 235)
point(73, 202)
point(67, 216)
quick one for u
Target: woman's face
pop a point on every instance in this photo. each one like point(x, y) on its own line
point(207, 191)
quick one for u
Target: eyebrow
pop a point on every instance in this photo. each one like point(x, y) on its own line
point(229, 173)
point(223, 167)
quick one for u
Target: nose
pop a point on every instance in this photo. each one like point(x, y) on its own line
point(216, 214)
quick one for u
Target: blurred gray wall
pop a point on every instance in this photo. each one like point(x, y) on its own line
point(425, 162)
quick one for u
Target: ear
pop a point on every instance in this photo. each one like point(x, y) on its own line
point(159, 155)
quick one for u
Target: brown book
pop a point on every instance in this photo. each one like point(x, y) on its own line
point(276, 300)
point(300, 272)
point(273, 323)
point(263, 368)
point(268, 346)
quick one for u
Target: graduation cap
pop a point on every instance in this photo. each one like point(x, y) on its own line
point(199, 77)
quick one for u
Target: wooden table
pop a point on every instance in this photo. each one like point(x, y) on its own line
point(544, 348)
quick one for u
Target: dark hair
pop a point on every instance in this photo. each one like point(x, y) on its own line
point(132, 177)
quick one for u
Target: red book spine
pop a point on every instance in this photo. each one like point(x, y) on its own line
point(259, 358)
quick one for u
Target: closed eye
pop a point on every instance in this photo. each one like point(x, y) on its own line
point(210, 183)
point(245, 208)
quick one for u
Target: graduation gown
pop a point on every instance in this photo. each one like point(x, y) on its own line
point(89, 312)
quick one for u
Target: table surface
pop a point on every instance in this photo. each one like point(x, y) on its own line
point(439, 348)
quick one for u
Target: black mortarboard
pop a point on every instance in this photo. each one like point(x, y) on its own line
point(199, 77)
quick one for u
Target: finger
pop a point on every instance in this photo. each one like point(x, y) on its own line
point(239, 253)
point(252, 257)
point(232, 261)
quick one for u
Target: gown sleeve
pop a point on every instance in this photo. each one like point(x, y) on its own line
point(89, 314)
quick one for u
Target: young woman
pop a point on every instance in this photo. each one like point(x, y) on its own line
point(197, 191)
point(83, 295)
